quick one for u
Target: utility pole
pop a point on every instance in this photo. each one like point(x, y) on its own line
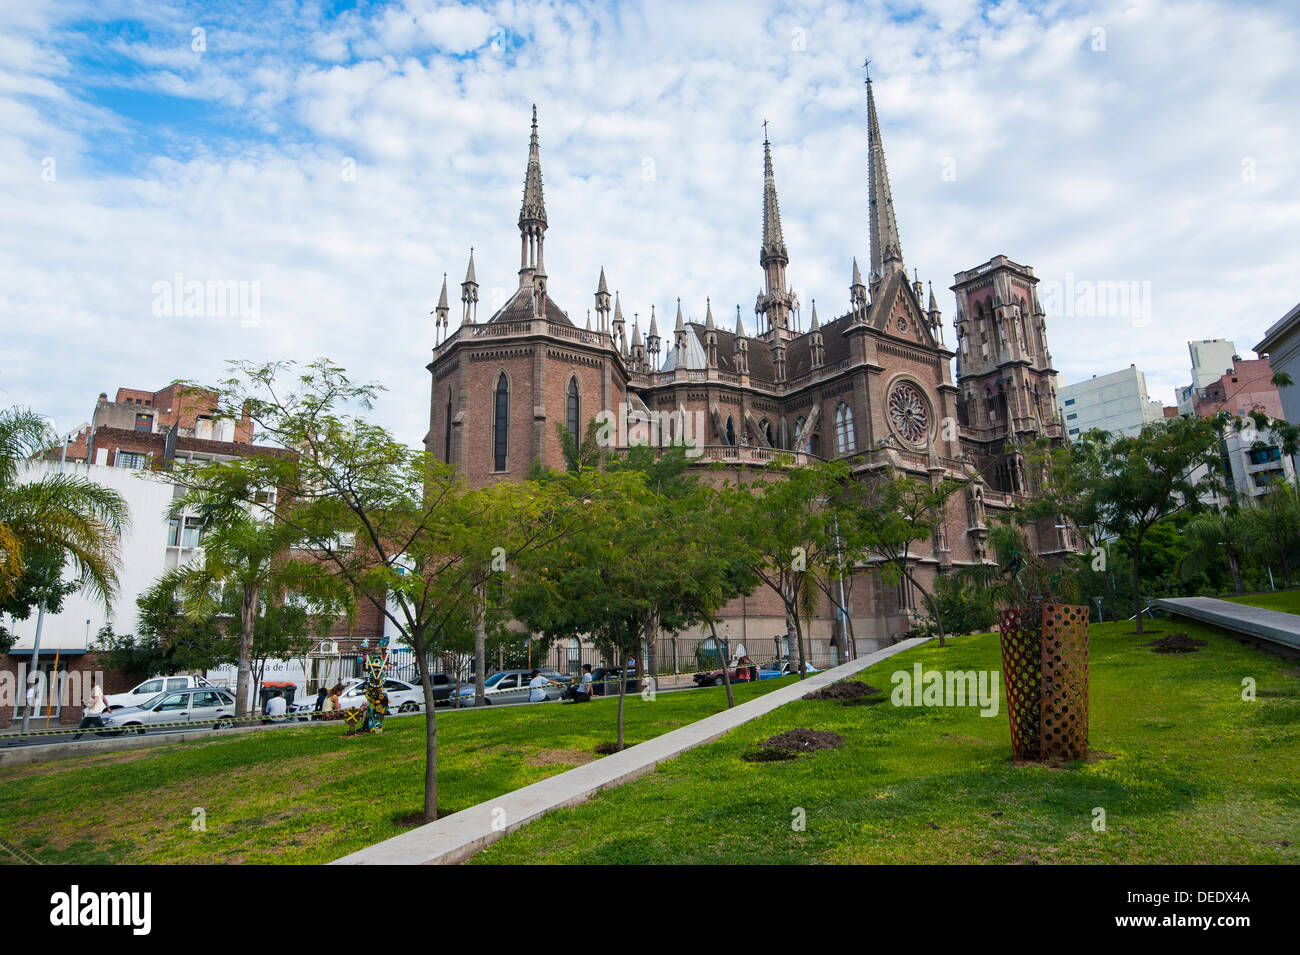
point(33, 673)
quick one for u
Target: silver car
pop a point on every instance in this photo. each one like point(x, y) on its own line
point(202, 707)
point(511, 686)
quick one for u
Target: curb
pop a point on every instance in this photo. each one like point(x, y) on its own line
point(455, 838)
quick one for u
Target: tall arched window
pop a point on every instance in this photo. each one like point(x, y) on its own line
point(446, 441)
point(501, 423)
point(572, 418)
point(844, 440)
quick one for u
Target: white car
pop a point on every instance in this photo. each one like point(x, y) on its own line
point(403, 697)
point(153, 686)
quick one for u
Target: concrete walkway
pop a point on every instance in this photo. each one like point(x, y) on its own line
point(1271, 625)
point(458, 836)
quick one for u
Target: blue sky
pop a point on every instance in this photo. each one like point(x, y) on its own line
point(1132, 141)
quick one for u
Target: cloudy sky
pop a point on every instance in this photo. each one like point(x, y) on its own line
point(338, 158)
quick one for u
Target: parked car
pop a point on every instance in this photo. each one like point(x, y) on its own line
point(743, 674)
point(201, 706)
point(510, 686)
point(604, 681)
point(402, 696)
point(771, 671)
point(151, 687)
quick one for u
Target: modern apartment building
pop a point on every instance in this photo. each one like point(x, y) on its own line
point(1117, 402)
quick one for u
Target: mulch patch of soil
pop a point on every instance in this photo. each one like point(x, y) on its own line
point(846, 691)
point(1176, 643)
point(1134, 633)
point(606, 749)
point(791, 743)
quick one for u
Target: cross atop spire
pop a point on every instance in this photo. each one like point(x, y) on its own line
point(886, 249)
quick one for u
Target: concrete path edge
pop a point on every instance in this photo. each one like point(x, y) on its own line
point(459, 836)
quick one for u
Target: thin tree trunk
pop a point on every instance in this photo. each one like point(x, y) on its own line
point(1137, 582)
point(430, 730)
point(247, 621)
point(726, 654)
point(792, 623)
point(622, 695)
point(480, 651)
point(1234, 565)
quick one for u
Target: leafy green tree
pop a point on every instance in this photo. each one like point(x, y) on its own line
point(886, 519)
point(1271, 524)
point(390, 525)
point(168, 640)
point(62, 514)
point(1211, 537)
point(1131, 483)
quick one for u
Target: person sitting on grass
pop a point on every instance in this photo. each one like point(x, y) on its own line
point(582, 692)
point(537, 687)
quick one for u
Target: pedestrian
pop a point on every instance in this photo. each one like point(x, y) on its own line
point(537, 687)
point(330, 709)
point(321, 694)
point(276, 706)
point(93, 716)
point(582, 692)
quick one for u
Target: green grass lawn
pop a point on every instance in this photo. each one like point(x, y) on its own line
point(1185, 770)
point(1287, 601)
point(310, 794)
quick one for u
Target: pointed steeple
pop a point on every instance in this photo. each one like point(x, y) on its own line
point(469, 294)
point(886, 249)
point(740, 347)
point(710, 336)
point(708, 315)
point(816, 347)
point(654, 327)
point(616, 330)
point(440, 313)
point(934, 306)
point(773, 240)
point(602, 287)
point(740, 326)
point(534, 207)
point(532, 221)
point(602, 303)
point(857, 291)
point(816, 325)
point(681, 326)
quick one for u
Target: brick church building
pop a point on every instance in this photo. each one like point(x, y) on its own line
point(873, 383)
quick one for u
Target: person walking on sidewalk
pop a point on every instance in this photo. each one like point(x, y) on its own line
point(93, 717)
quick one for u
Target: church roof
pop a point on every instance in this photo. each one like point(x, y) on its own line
point(519, 308)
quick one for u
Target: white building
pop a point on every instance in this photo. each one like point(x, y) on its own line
point(1253, 468)
point(1117, 402)
point(1211, 358)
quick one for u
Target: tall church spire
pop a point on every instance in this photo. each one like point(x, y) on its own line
point(532, 220)
point(776, 302)
point(773, 240)
point(886, 250)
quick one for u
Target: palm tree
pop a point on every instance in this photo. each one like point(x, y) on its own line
point(1211, 534)
point(1272, 528)
point(248, 554)
point(58, 513)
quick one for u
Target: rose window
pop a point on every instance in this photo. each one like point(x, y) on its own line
point(908, 413)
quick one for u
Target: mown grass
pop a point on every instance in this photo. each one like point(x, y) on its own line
point(1287, 601)
point(309, 795)
point(1185, 770)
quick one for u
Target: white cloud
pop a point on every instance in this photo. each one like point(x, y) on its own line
point(1122, 164)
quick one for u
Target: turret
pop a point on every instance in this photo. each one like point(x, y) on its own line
point(602, 303)
point(469, 294)
point(741, 347)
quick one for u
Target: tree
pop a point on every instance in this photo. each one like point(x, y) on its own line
point(66, 515)
point(605, 577)
point(788, 537)
point(167, 639)
point(245, 558)
point(1211, 536)
point(886, 516)
point(1133, 482)
point(1271, 528)
point(392, 525)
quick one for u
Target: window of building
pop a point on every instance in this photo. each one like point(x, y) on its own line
point(192, 533)
point(1071, 416)
point(571, 410)
point(1068, 402)
point(174, 532)
point(1264, 478)
point(130, 459)
point(844, 439)
point(1265, 455)
point(1074, 431)
point(501, 424)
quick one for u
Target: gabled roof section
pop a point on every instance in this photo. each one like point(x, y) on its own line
point(519, 308)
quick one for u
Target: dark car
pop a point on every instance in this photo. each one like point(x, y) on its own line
point(604, 681)
point(743, 674)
